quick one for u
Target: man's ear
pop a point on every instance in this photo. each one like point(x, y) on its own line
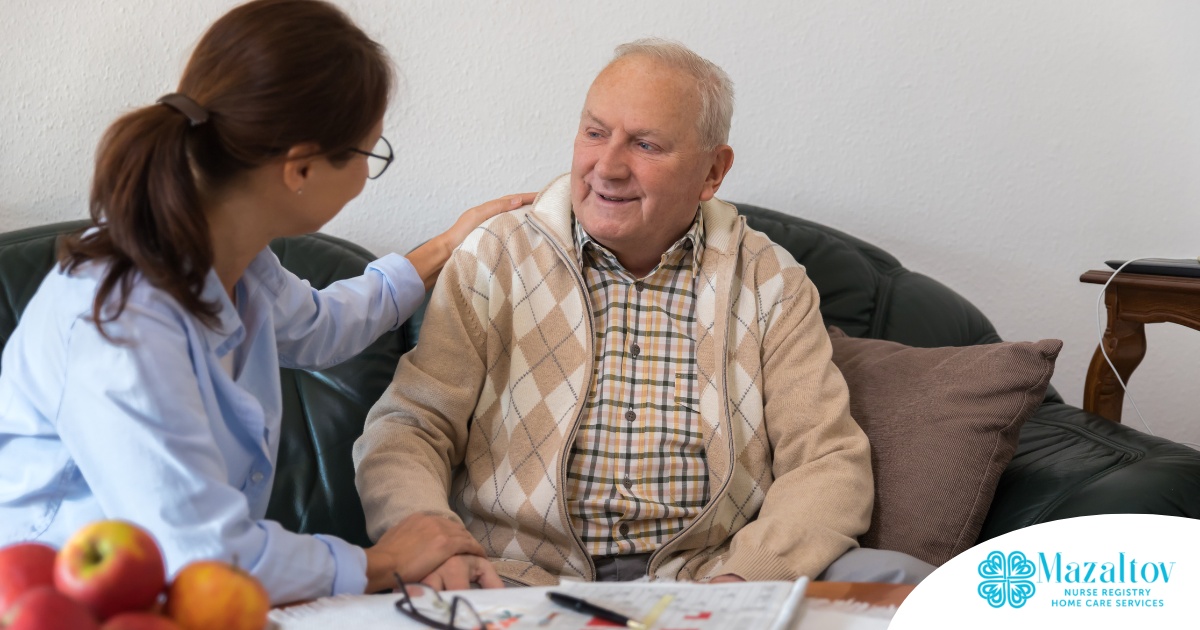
point(297, 165)
point(722, 161)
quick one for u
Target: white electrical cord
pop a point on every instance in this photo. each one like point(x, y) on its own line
point(1100, 334)
point(1104, 353)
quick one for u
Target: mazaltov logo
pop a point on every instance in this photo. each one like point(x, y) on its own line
point(1007, 580)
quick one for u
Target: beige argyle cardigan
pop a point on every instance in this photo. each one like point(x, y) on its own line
point(485, 409)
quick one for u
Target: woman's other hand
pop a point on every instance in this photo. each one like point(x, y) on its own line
point(430, 257)
point(727, 578)
point(459, 572)
point(415, 547)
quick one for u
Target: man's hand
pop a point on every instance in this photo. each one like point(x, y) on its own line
point(725, 579)
point(415, 547)
point(459, 572)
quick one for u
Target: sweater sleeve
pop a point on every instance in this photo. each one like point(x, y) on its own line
point(821, 497)
point(318, 329)
point(416, 434)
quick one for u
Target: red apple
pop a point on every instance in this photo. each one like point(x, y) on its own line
point(111, 567)
point(22, 567)
point(139, 621)
point(43, 608)
point(211, 595)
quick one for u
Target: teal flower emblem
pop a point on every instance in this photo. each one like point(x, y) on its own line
point(1006, 580)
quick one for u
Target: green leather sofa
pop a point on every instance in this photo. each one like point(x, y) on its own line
point(1068, 463)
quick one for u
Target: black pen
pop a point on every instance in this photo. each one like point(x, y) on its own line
point(579, 605)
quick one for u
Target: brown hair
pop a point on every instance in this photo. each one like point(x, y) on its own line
point(272, 74)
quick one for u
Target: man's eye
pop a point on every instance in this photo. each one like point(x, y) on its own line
point(645, 146)
point(592, 134)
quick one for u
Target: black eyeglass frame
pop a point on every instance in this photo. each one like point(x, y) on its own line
point(387, 160)
point(405, 605)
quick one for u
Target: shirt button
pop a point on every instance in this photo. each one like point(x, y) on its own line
point(256, 477)
point(630, 415)
point(624, 529)
point(639, 286)
point(628, 483)
point(635, 350)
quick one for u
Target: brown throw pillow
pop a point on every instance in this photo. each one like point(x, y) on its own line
point(943, 424)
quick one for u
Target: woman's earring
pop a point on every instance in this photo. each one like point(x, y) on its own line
point(300, 191)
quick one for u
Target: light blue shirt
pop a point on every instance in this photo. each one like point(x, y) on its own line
point(155, 431)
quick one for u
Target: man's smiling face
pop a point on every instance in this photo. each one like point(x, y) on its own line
point(639, 169)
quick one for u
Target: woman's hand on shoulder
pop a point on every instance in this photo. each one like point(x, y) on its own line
point(472, 218)
point(429, 258)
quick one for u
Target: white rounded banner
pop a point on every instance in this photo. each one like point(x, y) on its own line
point(1109, 571)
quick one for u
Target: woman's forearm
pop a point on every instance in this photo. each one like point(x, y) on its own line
point(429, 258)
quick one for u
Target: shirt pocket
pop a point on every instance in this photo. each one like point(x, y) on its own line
point(685, 391)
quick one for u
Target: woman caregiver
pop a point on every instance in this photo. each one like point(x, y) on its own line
point(143, 380)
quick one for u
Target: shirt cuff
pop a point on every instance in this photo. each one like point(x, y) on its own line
point(407, 287)
point(349, 565)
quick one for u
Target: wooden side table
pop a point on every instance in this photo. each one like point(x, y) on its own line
point(865, 592)
point(1133, 300)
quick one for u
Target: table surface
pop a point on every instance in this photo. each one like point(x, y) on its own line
point(872, 593)
point(1182, 284)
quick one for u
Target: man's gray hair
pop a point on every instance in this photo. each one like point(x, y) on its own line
point(716, 88)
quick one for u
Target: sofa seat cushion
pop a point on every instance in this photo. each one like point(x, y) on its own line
point(1072, 463)
point(943, 425)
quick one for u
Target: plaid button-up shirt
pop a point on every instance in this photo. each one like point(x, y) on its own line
point(638, 474)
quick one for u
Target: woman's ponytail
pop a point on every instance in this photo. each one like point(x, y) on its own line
point(145, 209)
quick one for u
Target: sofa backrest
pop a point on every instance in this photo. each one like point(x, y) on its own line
point(324, 412)
point(866, 292)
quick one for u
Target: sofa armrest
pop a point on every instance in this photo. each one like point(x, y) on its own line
point(1072, 463)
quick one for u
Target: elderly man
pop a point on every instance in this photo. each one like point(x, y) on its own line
point(625, 380)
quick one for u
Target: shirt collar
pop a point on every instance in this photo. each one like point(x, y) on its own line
point(226, 331)
point(694, 235)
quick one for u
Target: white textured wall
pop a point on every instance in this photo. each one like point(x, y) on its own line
point(1001, 147)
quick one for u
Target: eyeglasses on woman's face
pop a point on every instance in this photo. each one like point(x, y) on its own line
point(378, 159)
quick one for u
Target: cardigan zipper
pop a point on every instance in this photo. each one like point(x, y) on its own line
point(724, 366)
point(729, 430)
point(566, 452)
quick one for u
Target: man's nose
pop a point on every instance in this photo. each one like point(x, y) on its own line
point(611, 164)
